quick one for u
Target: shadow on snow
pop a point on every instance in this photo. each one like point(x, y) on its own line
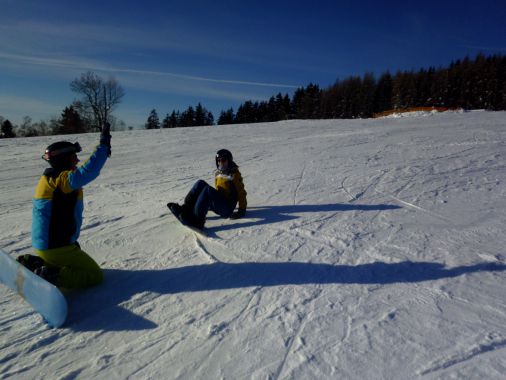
point(276, 214)
point(100, 308)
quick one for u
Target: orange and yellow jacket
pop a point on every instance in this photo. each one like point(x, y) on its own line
point(229, 183)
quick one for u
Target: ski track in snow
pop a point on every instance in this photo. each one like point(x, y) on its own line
point(370, 249)
point(204, 250)
point(491, 344)
point(299, 183)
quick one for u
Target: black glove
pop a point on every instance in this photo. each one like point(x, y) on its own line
point(240, 213)
point(105, 136)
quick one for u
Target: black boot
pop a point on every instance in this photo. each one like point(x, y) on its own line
point(50, 274)
point(189, 218)
point(31, 262)
point(175, 208)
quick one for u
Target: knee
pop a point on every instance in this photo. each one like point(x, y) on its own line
point(198, 186)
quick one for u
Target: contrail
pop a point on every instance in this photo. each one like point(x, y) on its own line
point(79, 65)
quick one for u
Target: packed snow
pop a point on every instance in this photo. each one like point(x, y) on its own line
point(371, 249)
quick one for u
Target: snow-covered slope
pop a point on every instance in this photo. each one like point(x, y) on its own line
point(372, 249)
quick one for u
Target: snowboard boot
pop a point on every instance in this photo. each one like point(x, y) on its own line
point(191, 219)
point(176, 209)
point(50, 274)
point(31, 262)
point(185, 215)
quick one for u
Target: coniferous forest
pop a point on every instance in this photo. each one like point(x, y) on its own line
point(478, 83)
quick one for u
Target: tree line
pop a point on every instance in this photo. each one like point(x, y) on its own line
point(478, 83)
point(191, 117)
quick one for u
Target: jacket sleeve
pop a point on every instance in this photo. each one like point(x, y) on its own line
point(90, 169)
point(241, 191)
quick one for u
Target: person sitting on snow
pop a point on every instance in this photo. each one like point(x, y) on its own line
point(57, 215)
point(222, 199)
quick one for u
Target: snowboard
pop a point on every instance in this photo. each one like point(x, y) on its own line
point(44, 297)
point(178, 217)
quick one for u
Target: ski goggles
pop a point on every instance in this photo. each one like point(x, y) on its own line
point(74, 148)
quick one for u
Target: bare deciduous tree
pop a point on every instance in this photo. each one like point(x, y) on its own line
point(99, 96)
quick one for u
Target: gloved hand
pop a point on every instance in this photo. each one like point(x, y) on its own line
point(105, 136)
point(240, 213)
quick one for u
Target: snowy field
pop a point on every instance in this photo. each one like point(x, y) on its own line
point(372, 249)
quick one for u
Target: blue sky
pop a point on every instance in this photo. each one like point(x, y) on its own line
point(171, 54)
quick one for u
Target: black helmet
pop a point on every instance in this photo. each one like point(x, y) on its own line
point(58, 154)
point(224, 153)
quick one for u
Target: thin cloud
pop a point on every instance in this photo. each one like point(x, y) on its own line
point(47, 35)
point(197, 78)
point(21, 102)
point(64, 63)
point(15, 107)
point(180, 87)
point(36, 38)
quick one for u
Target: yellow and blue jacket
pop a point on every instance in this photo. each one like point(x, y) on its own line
point(57, 213)
point(230, 184)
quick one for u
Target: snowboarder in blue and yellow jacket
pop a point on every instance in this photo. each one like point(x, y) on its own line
point(58, 210)
point(227, 193)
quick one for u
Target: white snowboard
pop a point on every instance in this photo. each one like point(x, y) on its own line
point(44, 297)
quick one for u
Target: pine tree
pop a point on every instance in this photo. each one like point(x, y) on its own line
point(226, 117)
point(270, 113)
point(366, 96)
point(287, 106)
point(439, 88)
point(425, 80)
point(166, 121)
point(296, 105)
point(403, 91)
point(311, 102)
point(187, 118)
point(280, 112)
point(7, 130)
point(209, 119)
point(200, 115)
point(245, 113)
point(501, 85)
point(350, 90)
point(174, 119)
point(153, 121)
point(70, 122)
point(383, 95)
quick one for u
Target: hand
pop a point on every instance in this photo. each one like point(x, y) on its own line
point(240, 213)
point(105, 136)
point(106, 129)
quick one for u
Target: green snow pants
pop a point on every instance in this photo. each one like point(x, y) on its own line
point(77, 269)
